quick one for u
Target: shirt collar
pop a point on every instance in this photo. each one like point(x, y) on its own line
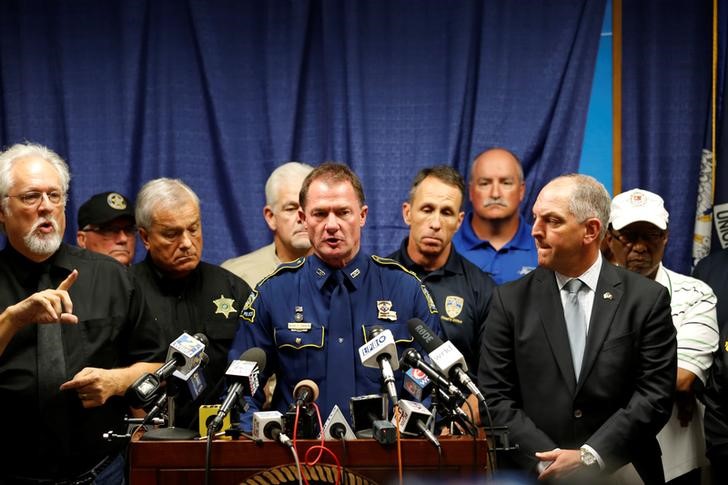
point(28, 271)
point(450, 266)
point(521, 240)
point(590, 277)
point(355, 271)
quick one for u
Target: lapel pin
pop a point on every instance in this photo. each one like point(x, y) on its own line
point(608, 296)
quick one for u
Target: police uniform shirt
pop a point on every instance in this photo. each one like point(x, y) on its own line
point(462, 294)
point(287, 316)
point(208, 300)
point(112, 320)
point(516, 258)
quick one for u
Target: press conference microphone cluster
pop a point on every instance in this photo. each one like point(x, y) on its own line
point(242, 379)
point(444, 355)
point(186, 355)
point(381, 351)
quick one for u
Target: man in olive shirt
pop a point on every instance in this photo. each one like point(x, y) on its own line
point(184, 293)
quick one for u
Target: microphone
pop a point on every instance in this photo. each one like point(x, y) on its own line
point(243, 373)
point(184, 356)
point(369, 418)
point(336, 427)
point(267, 427)
point(417, 384)
point(413, 359)
point(305, 392)
point(444, 355)
point(411, 420)
point(381, 351)
point(185, 352)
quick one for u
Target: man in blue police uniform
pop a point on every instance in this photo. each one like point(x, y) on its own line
point(495, 237)
point(312, 315)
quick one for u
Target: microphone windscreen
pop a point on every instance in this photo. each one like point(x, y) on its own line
point(254, 354)
point(423, 334)
point(202, 338)
point(311, 385)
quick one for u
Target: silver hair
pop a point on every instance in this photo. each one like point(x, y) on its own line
point(162, 192)
point(288, 173)
point(589, 198)
point(25, 150)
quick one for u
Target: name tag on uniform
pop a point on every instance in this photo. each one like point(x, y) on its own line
point(299, 326)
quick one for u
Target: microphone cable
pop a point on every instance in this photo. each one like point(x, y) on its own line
point(397, 417)
point(321, 448)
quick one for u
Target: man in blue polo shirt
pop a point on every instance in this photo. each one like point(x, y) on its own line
point(494, 236)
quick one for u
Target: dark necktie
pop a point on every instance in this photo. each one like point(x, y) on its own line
point(575, 323)
point(50, 357)
point(342, 355)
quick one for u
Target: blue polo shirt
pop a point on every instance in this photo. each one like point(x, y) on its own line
point(516, 258)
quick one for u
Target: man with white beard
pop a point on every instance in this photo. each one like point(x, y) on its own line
point(68, 321)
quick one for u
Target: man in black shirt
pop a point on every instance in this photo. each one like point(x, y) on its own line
point(184, 293)
point(460, 289)
point(69, 318)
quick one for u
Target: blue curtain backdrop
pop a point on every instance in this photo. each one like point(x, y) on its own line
point(666, 101)
point(219, 93)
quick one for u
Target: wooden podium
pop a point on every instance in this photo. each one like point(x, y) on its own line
point(232, 462)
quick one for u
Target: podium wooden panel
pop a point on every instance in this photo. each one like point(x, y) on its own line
point(183, 462)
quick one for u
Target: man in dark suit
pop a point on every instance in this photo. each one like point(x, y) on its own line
point(585, 406)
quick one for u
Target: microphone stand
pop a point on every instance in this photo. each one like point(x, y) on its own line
point(170, 433)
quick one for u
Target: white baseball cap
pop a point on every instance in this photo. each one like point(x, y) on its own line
point(638, 205)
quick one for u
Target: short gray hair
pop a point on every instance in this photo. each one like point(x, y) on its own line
point(25, 150)
point(162, 192)
point(589, 198)
point(288, 173)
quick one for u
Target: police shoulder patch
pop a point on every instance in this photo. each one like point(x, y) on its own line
point(248, 312)
point(392, 264)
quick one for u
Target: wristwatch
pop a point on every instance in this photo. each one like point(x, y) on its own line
point(587, 457)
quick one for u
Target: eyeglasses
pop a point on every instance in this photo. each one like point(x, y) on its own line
point(631, 237)
point(111, 231)
point(33, 198)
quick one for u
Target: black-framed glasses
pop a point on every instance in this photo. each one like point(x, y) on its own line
point(111, 231)
point(631, 237)
point(33, 197)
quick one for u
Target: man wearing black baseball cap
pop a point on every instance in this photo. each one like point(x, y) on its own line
point(106, 225)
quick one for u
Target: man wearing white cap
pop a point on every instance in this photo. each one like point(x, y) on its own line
point(637, 236)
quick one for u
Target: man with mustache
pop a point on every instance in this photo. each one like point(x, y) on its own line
point(184, 293)
point(460, 289)
point(312, 315)
point(290, 239)
point(494, 236)
point(638, 236)
point(70, 334)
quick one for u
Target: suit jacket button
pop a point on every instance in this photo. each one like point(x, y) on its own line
point(577, 413)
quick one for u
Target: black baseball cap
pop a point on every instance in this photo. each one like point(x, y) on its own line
point(103, 208)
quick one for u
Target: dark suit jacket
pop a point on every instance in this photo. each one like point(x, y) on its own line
point(624, 394)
